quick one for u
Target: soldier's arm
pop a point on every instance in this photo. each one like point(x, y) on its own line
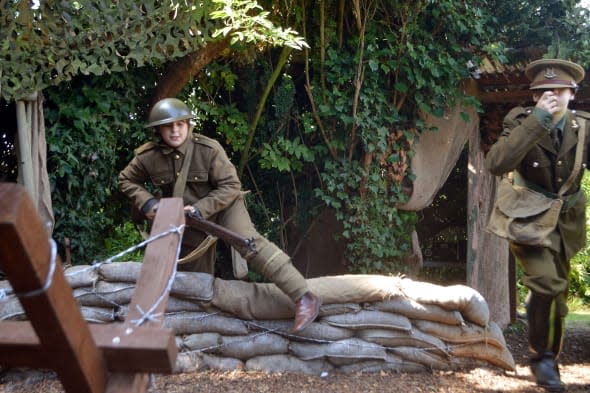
point(521, 130)
point(132, 181)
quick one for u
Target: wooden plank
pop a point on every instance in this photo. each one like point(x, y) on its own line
point(148, 349)
point(54, 314)
point(158, 264)
point(487, 254)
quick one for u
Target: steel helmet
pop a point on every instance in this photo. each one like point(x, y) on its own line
point(168, 110)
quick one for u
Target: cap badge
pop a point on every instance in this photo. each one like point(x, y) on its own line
point(575, 123)
point(550, 73)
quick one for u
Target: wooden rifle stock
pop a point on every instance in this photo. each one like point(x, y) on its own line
point(240, 243)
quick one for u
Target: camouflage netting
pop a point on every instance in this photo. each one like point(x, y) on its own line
point(367, 322)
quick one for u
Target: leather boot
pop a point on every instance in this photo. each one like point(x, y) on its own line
point(543, 340)
point(306, 310)
point(545, 371)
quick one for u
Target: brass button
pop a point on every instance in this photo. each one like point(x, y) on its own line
point(535, 164)
point(177, 157)
point(559, 179)
point(177, 174)
point(559, 163)
point(196, 177)
point(161, 181)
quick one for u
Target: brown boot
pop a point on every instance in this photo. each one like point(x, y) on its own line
point(306, 310)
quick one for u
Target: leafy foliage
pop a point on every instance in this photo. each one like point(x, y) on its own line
point(92, 129)
point(247, 22)
point(580, 264)
point(559, 27)
point(400, 62)
point(53, 43)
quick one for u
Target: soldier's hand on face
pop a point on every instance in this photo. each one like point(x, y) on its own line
point(151, 214)
point(549, 102)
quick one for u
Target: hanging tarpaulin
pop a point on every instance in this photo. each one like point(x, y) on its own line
point(31, 151)
point(437, 153)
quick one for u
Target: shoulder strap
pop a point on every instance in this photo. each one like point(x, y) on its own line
point(578, 160)
point(181, 180)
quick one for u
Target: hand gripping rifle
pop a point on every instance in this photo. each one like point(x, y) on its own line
point(241, 244)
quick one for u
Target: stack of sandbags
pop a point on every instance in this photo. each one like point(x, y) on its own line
point(367, 322)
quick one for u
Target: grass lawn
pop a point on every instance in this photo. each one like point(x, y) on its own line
point(578, 316)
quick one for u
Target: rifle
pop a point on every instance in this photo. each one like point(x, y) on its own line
point(240, 243)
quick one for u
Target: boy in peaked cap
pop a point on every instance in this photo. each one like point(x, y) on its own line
point(211, 189)
point(538, 145)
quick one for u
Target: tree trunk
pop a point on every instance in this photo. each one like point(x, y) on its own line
point(487, 254)
point(183, 70)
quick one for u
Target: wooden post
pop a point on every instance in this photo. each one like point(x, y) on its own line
point(487, 254)
point(151, 283)
point(57, 336)
point(55, 315)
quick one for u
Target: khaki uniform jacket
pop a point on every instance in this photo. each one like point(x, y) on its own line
point(526, 146)
point(212, 182)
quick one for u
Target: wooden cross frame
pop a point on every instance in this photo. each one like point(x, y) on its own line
point(87, 358)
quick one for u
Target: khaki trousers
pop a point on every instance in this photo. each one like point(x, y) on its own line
point(545, 272)
point(270, 261)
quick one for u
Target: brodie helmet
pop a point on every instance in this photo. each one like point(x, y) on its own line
point(168, 110)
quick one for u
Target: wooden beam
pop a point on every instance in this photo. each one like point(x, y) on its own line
point(148, 349)
point(158, 264)
point(53, 312)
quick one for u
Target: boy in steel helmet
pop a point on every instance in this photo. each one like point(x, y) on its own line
point(212, 190)
point(539, 145)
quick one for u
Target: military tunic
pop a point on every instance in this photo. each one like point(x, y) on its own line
point(212, 187)
point(526, 146)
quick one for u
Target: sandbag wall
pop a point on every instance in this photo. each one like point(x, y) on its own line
point(367, 322)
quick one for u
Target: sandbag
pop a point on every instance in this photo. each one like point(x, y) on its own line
point(246, 347)
point(221, 363)
point(336, 308)
point(500, 357)
point(202, 322)
point(314, 332)
point(11, 309)
point(287, 363)
point(99, 314)
point(199, 342)
point(352, 348)
point(81, 276)
point(188, 363)
point(414, 310)
point(193, 285)
point(119, 271)
point(355, 288)
point(391, 363)
point(422, 356)
point(396, 338)
point(176, 304)
point(105, 294)
point(462, 298)
point(369, 320)
point(464, 334)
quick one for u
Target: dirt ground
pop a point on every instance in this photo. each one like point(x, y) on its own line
point(575, 373)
